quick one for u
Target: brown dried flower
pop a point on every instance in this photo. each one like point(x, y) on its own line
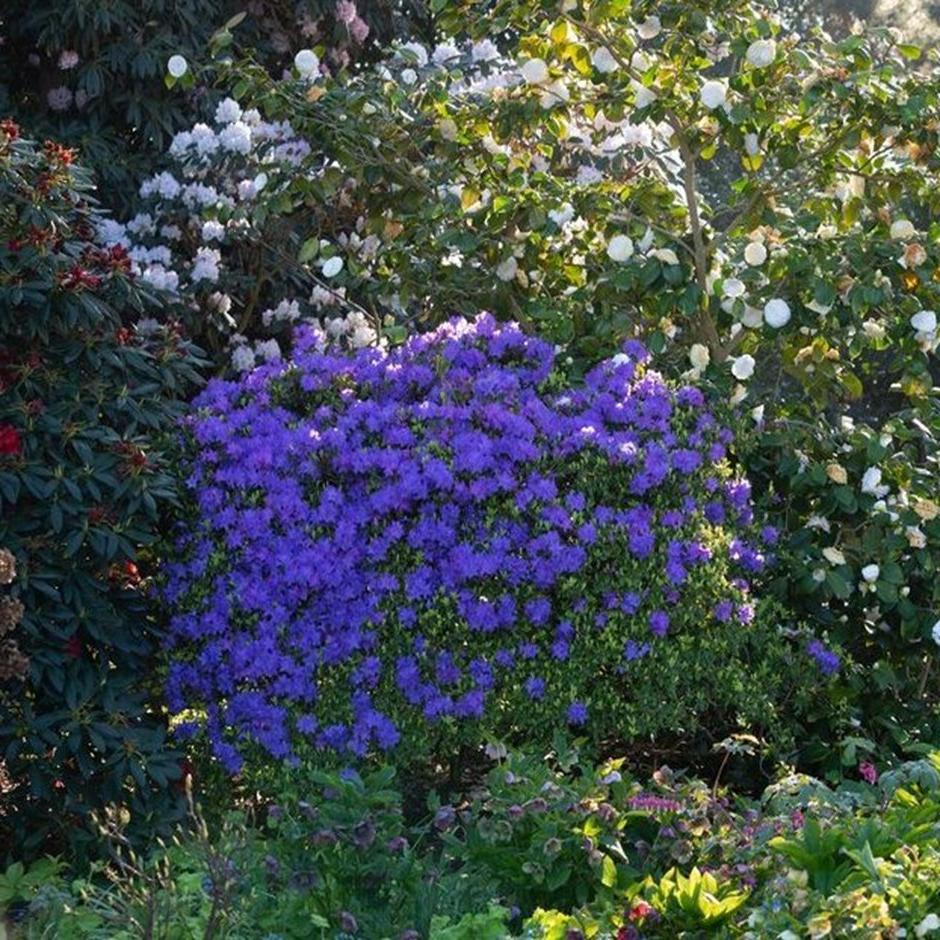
point(7, 566)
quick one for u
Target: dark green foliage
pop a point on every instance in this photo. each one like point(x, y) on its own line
point(88, 405)
point(116, 106)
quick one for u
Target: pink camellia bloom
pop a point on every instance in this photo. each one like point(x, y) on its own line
point(867, 772)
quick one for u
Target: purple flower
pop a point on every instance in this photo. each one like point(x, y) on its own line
point(826, 659)
point(577, 713)
point(659, 622)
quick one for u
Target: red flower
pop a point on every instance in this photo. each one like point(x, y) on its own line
point(10, 443)
point(641, 910)
point(73, 647)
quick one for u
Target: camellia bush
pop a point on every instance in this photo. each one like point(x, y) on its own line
point(91, 392)
point(405, 550)
point(755, 204)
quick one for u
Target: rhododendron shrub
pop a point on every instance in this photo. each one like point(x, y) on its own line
point(404, 548)
point(89, 395)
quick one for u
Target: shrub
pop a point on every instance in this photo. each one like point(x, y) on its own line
point(446, 537)
point(88, 401)
point(95, 79)
point(861, 559)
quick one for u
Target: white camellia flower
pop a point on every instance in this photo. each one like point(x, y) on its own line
point(713, 94)
point(332, 266)
point(873, 329)
point(563, 215)
point(777, 313)
point(604, 60)
point(925, 321)
point(931, 923)
point(732, 287)
point(408, 76)
point(752, 317)
point(871, 482)
point(620, 248)
point(743, 367)
point(902, 229)
point(699, 356)
point(650, 28)
point(644, 96)
point(935, 633)
point(755, 254)
point(833, 556)
point(666, 255)
point(761, 53)
point(870, 573)
point(508, 269)
point(307, 63)
point(177, 66)
point(535, 72)
point(752, 144)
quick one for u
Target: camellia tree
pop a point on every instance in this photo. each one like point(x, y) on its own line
point(758, 205)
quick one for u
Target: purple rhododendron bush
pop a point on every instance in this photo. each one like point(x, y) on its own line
point(401, 551)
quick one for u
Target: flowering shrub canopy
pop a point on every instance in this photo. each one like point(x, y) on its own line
point(420, 540)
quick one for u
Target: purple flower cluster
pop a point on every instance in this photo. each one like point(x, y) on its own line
point(444, 533)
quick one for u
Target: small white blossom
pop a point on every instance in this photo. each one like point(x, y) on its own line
point(699, 356)
point(177, 66)
point(604, 60)
point(243, 359)
point(212, 231)
point(307, 63)
point(620, 248)
point(871, 482)
point(236, 137)
point(777, 313)
point(762, 53)
point(535, 72)
point(902, 229)
point(733, 287)
point(332, 266)
point(743, 367)
point(870, 573)
point(755, 254)
point(408, 76)
point(713, 94)
point(228, 111)
point(484, 51)
point(507, 270)
point(650, 28)
point(931, 922)
point(925, 321)
point(833, 556)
